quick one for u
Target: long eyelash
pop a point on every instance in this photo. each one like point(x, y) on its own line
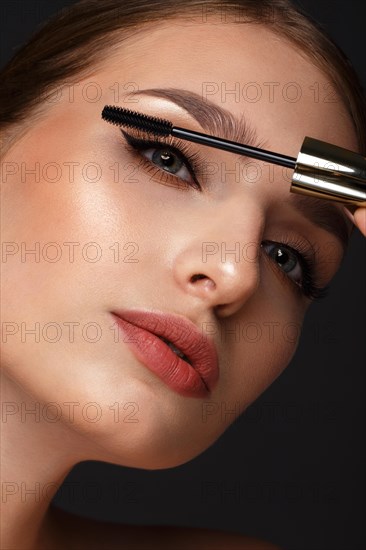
point(193, 160)
point(303, 251)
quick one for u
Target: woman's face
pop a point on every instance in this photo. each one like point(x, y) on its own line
point(110, 231)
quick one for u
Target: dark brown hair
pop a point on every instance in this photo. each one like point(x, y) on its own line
point(81, 36)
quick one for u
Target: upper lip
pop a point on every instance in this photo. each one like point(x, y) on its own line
point(184, 334)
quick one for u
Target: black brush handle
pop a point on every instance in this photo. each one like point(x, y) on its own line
point(233, 147)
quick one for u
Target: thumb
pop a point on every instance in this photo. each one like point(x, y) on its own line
point(360, 219)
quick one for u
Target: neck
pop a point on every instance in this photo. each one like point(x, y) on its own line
point(35, 459)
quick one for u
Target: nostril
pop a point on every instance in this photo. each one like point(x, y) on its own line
point(198, 276)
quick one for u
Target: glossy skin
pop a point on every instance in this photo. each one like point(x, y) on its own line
point(169, 223)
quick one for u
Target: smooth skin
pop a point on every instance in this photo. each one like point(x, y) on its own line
point(169, 223)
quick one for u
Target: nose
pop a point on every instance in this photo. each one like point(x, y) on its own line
point(220, 261)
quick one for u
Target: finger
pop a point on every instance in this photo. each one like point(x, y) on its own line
point(360, 219)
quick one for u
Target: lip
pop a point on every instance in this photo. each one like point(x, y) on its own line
point(143, 329)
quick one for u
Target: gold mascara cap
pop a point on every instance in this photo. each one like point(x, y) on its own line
point(329, 172)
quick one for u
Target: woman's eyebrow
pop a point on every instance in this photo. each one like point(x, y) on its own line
point(212, 118)
point(220, 122)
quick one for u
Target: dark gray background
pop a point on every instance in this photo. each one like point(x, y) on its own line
point(292, 469)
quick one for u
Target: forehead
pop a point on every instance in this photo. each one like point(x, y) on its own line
point(245, 68)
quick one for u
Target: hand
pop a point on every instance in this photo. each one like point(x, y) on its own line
point(359, 218)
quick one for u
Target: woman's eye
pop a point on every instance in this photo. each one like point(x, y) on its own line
point(172, 162)
point(286, 259)
point(169, 161)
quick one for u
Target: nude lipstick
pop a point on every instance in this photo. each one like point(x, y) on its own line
point(173, 348)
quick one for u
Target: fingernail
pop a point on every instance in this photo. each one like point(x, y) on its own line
point(348, 214)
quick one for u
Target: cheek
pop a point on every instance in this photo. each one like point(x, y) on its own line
point(264, 341)
point(60, 263)
point(61, 234)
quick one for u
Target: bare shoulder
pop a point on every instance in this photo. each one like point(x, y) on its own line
point(73, 532)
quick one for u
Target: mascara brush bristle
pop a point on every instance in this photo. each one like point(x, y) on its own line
point(132, 119)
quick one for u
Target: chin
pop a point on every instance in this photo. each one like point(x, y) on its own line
point(154, 443)
point(151, 458)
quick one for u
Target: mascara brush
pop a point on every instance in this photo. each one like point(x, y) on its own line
point(321, 169)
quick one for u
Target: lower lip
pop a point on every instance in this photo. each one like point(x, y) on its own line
point(157, 356)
